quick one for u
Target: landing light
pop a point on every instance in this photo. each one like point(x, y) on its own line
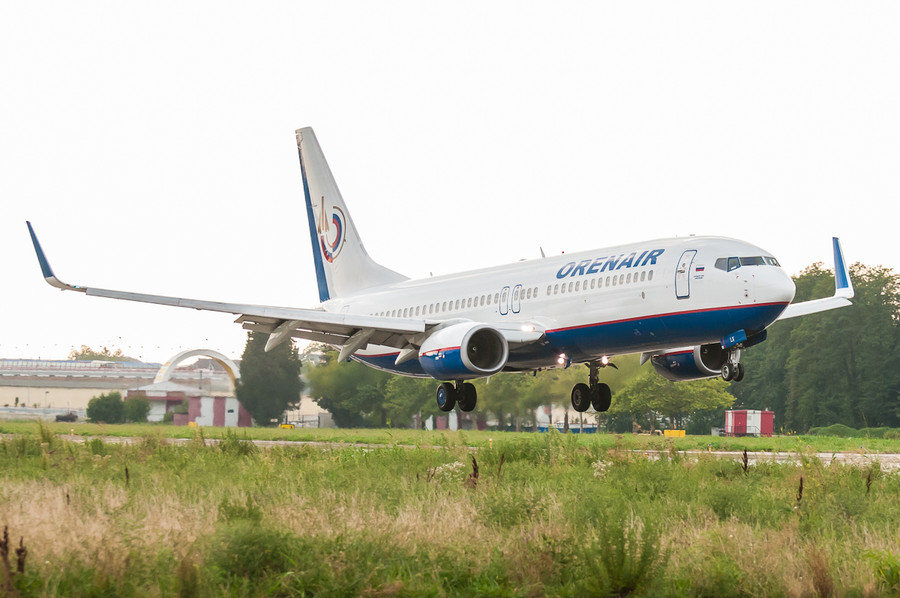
point(605, 360)
point(562, 359)
point(527, 328)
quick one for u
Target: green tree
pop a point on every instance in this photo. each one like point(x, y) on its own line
point(834, 367)
point(107, 409)
point(270, 382)
point(353, 393)
point(674, 400)
point(85, 353)
point(136, 409)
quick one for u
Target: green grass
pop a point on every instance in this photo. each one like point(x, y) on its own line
point(474, 438)
point(549, 514)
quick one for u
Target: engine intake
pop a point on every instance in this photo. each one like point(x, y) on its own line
point(464, 351)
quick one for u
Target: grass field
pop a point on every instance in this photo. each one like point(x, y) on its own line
point(547, 514)
point(821, 444)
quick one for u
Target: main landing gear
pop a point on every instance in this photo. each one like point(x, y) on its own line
point(596, 394)
point(463, 394)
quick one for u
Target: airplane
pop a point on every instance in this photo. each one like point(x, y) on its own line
point(689, 305)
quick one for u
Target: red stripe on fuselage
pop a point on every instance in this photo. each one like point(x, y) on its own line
point(674, 313)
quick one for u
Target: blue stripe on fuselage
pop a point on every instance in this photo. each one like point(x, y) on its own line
point(652, 332)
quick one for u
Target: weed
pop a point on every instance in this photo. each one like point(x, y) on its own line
point(820, 571)
point(887, 569)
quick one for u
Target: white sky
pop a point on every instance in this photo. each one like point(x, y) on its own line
point(152, 144)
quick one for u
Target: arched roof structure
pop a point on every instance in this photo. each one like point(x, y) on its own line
point(168, 368)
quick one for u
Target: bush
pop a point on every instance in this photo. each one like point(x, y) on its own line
point(136, 410)
point(107, 408)
point(839, 430)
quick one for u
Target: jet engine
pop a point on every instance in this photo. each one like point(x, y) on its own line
point(464, 351)
point(691, 363)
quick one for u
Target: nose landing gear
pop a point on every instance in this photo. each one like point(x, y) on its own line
point(596, 394)
point(732, 368)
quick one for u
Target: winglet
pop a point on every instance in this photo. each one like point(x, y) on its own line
point(843, 290)
point(47, 271)
point(843, 287)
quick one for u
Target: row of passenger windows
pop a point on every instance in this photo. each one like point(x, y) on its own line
point(519, 294)
point(597, 283)
point(733, 263)
point(471, 302)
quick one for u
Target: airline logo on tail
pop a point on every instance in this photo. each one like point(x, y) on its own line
point(331, 231)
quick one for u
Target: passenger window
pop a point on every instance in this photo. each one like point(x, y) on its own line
point(482, 301)
point(563, 289)
point(614, 280)
point(549, 289)
point(643, 276)
point(593, 282)
point(555, 288)
point(628, 280)
point(489, 299)
point(535, 292)
point(457, 304)
point(571, 284)
point(650, 275)
point(578, 286)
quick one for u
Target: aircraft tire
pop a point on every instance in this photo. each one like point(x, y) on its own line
point(581, 397)
point(728, 371)
point(601, 398)
point(468, 397)
point(446, 397)
point(738, 372)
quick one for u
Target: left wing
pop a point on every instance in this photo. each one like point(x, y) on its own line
point(280, 322)
point(350, 331)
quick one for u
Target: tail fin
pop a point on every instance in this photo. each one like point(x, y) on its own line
point(342, 265)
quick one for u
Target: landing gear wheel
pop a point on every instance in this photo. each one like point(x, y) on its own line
point(601, 398)
point(446, 397)
point(728, 371)
point(739, 372)
point(581, 397)
point(467, 397)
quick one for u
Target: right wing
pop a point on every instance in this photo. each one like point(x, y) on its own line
point(843, 290)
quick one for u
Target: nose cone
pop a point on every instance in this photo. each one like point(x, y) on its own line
point(779, 287)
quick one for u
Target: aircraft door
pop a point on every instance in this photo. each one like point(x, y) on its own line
point(504, 301)
point(683, 274)
point(517, 299)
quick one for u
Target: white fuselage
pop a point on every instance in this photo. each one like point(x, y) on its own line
point(631, 298)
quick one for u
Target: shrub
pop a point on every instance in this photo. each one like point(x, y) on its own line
point(107, 408)
point(136, 409)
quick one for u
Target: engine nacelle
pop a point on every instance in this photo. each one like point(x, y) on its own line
point(464, 351)
point(692, 363)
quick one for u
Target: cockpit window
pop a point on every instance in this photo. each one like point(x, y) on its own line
point(733, 263)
